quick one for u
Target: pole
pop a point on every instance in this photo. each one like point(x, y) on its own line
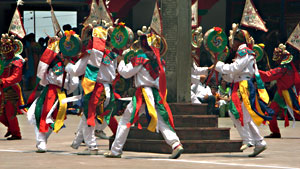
point(34, 29)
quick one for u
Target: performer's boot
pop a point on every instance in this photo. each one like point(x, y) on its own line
point(111, 155)
point(14, 138)
point(257, 150)
point(274, 135)
point(177, 152)
point(245, 146)
point(8, 133)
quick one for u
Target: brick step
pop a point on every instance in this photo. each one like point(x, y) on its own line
point(189, 120)
point(188, 109)
point(190, 146)
point(185, 133)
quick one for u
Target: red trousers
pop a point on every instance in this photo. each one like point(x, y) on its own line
point(9, 119)
point(273, 123)
point(113, 125)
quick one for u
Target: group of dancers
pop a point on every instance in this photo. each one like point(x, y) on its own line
point(100, 55)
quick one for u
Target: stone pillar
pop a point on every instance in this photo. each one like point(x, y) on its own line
point(176, 16)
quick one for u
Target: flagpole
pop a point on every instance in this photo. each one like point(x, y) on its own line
point(34, 23)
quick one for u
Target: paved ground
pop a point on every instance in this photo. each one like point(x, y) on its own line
point(281, 153)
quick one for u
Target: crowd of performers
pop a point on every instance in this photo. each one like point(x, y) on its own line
point(100, 64)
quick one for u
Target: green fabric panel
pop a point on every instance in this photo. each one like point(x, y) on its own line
point(39, 106)
point(161, 108)
point(279, 100)
point(259, 82)
point(111, 106)
point(233, 110)
point(91, 72)
point(133, 109)
point(86, 99)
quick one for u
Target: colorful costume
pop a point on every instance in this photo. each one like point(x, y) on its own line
point(288, 85)
point(11, 93)
point(149, 98)
point(99, 70)
point(48, 112)
point(246, 109)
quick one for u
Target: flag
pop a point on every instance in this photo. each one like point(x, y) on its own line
point(56, 26)
point(156, 23)
point(16, 26)
point(195, 14)
point(294, 39)
point(251, 17)
point(98, 12)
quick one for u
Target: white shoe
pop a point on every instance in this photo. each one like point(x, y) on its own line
point(100, 134)
point(245, 146)
point(177, 152)
point(88, 151)
point(257, 150)
point(41, 147)
point(74, 145)
point(110, 155)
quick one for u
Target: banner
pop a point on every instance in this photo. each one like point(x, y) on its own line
point(251, 17)
point(294, 39)
point(16, 25)
point(98, 12)
point(156, 23)
point(195, 14)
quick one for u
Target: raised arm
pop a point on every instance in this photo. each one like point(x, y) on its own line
point(273, 74)
point(237, 66)
point(128, 70)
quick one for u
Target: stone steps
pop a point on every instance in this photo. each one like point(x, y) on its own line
point(187, 133)
point(190, 146)
point(188, 121)
point(188, 109)
point(197, 131)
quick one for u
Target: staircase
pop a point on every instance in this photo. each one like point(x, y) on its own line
point(197, 131)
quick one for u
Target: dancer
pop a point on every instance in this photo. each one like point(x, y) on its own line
point(288, 85)
point(11, 93)
point(147, 70)
point(99, 69)
point(48, 112)
point(242, 110)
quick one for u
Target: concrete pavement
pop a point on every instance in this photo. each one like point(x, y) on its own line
point(281, 153)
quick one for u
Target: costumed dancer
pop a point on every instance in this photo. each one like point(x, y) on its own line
point(288, 85)
point(11, 96)
point(149, 76)
point(246, 108)
point(99, 69)
point(48, 112)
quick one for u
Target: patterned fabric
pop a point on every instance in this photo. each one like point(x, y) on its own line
point(150, 65)
point(108, 57)
point(244, 51)
point(163, 108)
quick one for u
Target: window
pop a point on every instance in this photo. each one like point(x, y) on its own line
point(40, 23)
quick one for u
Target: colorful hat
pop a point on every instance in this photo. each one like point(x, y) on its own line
point(70, 44)
point(215, 40)
point(242, 36)
point(10, 44)
point(281, 55)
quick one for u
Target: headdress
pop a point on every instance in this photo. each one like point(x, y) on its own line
point(281, 55)
point(10, 46)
